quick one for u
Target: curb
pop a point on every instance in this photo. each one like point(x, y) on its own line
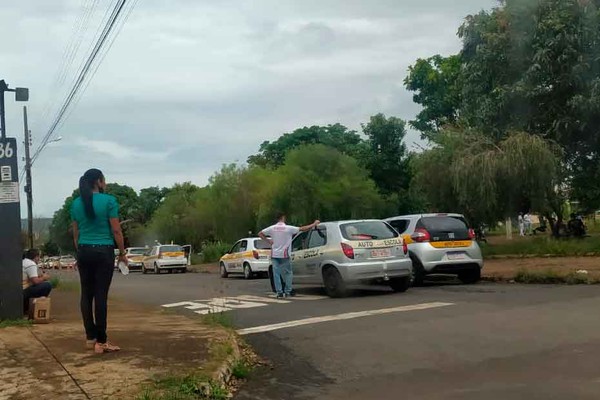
point(223, 374)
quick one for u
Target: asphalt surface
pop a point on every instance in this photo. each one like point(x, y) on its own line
point(488, 341)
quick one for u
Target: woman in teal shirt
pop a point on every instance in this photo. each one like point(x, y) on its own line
point(96, 231)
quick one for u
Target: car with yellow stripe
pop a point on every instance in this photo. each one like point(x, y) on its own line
point(440, 243)
point(167, 257)
point(340, 254)
point(248, 256)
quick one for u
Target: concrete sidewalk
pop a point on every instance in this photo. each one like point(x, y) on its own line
point(51, 362)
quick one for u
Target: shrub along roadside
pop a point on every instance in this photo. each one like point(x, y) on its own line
point(551, 276)
point(543, 246)
point(212, 252)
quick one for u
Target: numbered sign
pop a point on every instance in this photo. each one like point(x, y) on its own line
point(9, 175)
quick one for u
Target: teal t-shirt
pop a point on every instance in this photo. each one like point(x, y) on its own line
point(96, 231)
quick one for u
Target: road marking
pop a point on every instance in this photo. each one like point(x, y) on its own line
point(339, 317)
point(222, 304)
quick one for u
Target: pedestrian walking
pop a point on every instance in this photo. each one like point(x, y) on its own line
point(521, 222)
point(527, 222)
point(96, 231)
point(280, 236)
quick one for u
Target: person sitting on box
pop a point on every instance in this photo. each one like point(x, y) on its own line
point(35, 284)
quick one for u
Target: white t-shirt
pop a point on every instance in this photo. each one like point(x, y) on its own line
point(30, 270)
point(282, 236)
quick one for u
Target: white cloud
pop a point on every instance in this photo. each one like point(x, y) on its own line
point(192, 84)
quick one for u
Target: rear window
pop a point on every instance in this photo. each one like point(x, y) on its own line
point(260, 244)
point(137, 252)
point(400, 225)
point(171, 249)
point(367, 230)
point(445, 228)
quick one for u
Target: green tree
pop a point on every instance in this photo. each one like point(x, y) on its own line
point(50, 249)
point(273, 154)
point(436, 83)
point(387, 159)
point(148, 202)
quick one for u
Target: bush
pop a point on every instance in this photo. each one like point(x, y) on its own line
point(540, 246)
point(552, 277)
point(212, 252)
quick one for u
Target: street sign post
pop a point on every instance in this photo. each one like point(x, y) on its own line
point(11, 292)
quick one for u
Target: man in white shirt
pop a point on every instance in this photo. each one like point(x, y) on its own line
point(34, 284)
point(280, 236)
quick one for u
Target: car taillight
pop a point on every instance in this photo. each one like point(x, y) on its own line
point(421, 235)
point(255, 254)
point(471, 233)
point(348, 250)
point(404, 247)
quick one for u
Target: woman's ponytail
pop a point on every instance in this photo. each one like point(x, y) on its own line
point(86, 190)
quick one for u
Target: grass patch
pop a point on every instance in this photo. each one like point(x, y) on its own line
point(551, 276)
point(241, 370)
point(8, 323)
point(218, 319)
point(188, 387)
point(64, 285)
point(541, 246)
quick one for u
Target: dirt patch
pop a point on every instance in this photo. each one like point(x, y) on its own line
point(154, 344)
point(507, 268)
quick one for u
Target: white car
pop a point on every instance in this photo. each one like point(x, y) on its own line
point(170, 257)
point(249, 256)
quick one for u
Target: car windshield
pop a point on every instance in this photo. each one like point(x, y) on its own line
point(262, 244)
point(137, 252)
point(445, 228)
point(171, 249)
point(367, 230)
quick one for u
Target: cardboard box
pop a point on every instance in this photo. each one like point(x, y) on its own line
point(39, 310)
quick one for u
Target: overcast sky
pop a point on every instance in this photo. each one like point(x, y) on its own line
point(192, 84)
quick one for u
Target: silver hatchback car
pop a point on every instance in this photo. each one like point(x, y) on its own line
point(440, 244)
point(337, 254)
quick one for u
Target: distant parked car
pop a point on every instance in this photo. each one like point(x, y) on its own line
point(67, 262)
point(54, 262)
point(170, 257)
point(337, 254)
point(135, 257)
point(440, 244)
point(249, 256)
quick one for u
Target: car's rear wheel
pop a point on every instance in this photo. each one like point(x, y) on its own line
point(144, 270)
point(400, 285)
point(470, 277)
point(224, 273)
point(418, 272)
point(156, 269)
point(334, 283)
point(248, 274)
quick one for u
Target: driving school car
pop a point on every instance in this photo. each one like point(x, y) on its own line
point(165, 257)
point(440, 244)
point(249, 256)
point(135, 257)
point(337, 254)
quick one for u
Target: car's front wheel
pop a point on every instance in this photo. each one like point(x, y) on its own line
point(156, 269)
point(400, 285)
point(224, 273)
point(144, 270)
point(470, 277)
point(334, 283)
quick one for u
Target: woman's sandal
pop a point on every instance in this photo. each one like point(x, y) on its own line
point(107, 347)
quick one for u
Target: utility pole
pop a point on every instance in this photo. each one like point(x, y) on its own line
point(11, 291)
point(28, 189)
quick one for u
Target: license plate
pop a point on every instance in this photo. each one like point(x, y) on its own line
point(456, 256)
point(380, 253)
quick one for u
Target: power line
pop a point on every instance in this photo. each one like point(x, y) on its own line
point(118, 8)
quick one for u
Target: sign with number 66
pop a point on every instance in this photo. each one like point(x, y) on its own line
point(6, 151)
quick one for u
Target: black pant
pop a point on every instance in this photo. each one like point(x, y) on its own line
point(34, 291)
point(96, 266)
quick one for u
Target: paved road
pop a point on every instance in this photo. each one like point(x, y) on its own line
point(443, 341)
